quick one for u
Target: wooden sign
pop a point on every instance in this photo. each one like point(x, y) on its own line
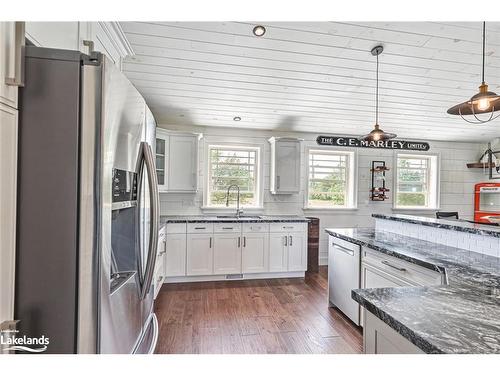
point(392, 144)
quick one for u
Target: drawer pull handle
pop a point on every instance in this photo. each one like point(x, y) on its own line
point(291, 243)
point(344, 249)
point(227, 228)
point(239, 241)
point(200, 227)
point(393, 266)
point(210, 245)
point(286, 240)
point(244, 241)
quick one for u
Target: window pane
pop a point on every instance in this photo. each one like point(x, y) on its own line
point(328, 176)
point(412, 182)
point(232, 167)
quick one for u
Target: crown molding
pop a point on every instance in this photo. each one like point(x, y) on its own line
point(115, 33)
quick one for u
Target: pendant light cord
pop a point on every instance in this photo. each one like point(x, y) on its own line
point(484, 43)
point(376, 100)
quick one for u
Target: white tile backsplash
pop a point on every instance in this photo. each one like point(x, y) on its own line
point(468, 241)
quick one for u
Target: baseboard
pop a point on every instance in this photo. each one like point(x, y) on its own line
point(248, 276)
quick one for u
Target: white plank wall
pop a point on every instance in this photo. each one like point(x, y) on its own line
point(457, 182)
point(314, 76)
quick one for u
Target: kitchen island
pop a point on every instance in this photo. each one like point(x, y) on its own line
point(460, 316)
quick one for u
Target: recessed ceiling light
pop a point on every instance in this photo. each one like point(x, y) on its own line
point(259, 30)
point(237, 118)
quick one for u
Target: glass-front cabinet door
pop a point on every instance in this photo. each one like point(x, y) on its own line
point(161, 159)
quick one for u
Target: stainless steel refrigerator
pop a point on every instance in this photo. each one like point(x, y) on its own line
point(87, 228)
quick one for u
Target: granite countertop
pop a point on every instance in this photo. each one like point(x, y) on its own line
point(461, 317)
point(457, 225)
point(231, 219)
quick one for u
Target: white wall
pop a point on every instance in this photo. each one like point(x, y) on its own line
point(456, 193)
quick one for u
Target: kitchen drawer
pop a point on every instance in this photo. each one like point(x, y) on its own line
point(287, 227)
point(200, 228)
point(345, 244)
point(402, 269)
point(176, 228)
point(227, 227)
point(255, 227)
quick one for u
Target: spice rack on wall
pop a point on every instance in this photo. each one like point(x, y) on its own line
point(378, 191)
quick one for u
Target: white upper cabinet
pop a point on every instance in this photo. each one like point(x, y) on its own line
point(177, 161)
point(8, 62)
point(107, 37)
point(285, 165)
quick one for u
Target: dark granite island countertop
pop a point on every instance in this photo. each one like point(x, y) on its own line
point(232, 219)
point(461, 317)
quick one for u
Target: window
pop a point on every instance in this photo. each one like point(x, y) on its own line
point(416, 181)
point(331, 179)
point(233, 166)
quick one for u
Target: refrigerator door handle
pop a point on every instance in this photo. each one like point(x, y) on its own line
point(155, 335)
point(148, 160)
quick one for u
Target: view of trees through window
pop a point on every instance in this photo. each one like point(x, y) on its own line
point(232, 166)
point(328, 179)
point(412, 182)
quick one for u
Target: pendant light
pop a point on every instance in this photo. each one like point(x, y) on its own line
point(484, 102)
point(377, 134)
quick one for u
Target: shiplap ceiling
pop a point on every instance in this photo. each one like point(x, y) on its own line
point(314, 76)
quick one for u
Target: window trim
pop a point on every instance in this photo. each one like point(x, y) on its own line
point(352, 178)
point(259, 175)
point(437, 175)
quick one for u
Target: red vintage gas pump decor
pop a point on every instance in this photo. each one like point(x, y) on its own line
point(487, 202)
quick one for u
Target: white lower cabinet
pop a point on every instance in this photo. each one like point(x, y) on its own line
point(200, 254)
point(288, 250)
point(227, 254)
point(379, 338)
point(278, 252)
point(255, 253)
point(297, 256)
point(380, 270)
point(217, 249)
point(175, 262)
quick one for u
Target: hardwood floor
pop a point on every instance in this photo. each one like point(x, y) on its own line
point(253, 316)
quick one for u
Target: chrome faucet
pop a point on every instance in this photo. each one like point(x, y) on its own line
point(238, 211)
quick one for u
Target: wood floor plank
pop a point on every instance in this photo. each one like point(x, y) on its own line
point(253, 317)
